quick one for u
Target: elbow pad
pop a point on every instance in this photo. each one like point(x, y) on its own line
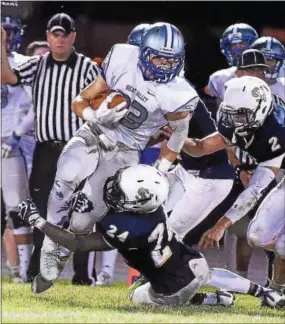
point(180, 132)
point(258, 184)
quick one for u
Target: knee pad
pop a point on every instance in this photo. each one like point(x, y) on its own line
point(280, 246)
point(200, 269)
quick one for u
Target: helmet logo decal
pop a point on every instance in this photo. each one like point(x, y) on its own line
point(167, 49)
point(144, 195)
point(259, 93)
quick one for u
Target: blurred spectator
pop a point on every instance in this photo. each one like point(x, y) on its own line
point(55, 78)
point(17, 151)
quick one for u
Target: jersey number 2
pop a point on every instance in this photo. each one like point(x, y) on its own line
point(136, 115)
point(274, 144)
point(159, 255)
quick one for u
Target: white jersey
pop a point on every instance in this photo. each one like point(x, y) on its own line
point(218, 79)
point(15, 100)
point(278, 88)
point(150, 101)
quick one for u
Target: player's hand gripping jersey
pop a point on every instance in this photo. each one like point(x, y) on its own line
point(150, 101)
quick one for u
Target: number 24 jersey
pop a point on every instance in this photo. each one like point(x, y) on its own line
point(147, 245)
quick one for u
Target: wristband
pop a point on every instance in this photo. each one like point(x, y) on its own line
point(164, 165)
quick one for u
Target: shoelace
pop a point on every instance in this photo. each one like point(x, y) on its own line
point(51, 259)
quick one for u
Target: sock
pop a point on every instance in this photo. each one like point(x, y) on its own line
point(25, 251)
point(255, 290)
point(225, 279)
point(109, 261)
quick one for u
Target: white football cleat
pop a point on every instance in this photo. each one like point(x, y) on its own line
point(103, 279)
point(273, 299)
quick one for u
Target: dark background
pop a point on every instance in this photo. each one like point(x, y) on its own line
point(100, 24)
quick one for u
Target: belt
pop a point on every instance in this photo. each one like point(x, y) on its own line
point(59, 145)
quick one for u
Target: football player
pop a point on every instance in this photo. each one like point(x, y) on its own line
point(253, 119)
point(235, 40)
point(274, 53)
point(17, 151)
point(112, 138)
point(137, 226)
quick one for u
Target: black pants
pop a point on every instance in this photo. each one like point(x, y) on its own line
point(42, 177)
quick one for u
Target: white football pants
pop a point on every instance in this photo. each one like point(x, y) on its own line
point(86, 157)
point(268, 223)
point(192, 198)
point(15, 171)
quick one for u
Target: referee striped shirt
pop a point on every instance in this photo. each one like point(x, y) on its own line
point(54, 85)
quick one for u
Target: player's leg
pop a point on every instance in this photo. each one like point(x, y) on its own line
point(230, 281)
point(266, 230)
point(106, 275)
point(243, 250)
point(189, 294)
point(76, 162)
point(110, 162)
point(15, 189)
point(201, 196)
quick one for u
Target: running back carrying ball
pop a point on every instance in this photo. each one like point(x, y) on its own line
point(106, 108)
point(113, 101)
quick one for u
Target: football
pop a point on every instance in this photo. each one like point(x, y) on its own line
point(116, 100)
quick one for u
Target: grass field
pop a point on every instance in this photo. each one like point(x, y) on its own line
point(65, 303)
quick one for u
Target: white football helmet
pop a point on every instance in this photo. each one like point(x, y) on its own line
point(247, 102)
point(140, 188)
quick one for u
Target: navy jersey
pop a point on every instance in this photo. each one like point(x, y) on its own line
point(267, 142)
point(147, 245)
point(213, 166)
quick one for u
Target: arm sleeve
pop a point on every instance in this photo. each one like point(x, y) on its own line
point(91, 242)
point(26, 71)
point(258, 184)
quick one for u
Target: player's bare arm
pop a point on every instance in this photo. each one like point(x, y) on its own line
point(8, 76)
point(207, 145)
point(81, 103)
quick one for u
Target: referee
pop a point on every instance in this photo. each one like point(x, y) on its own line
point(56, 79)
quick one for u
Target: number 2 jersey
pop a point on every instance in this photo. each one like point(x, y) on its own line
point(150, 101)
point(268, 141)
point(148, 246)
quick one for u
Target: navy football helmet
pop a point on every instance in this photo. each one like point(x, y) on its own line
point(273, 51)
point(165, 41)
point(236, 39)
point(136, 34)
point(14, 30)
